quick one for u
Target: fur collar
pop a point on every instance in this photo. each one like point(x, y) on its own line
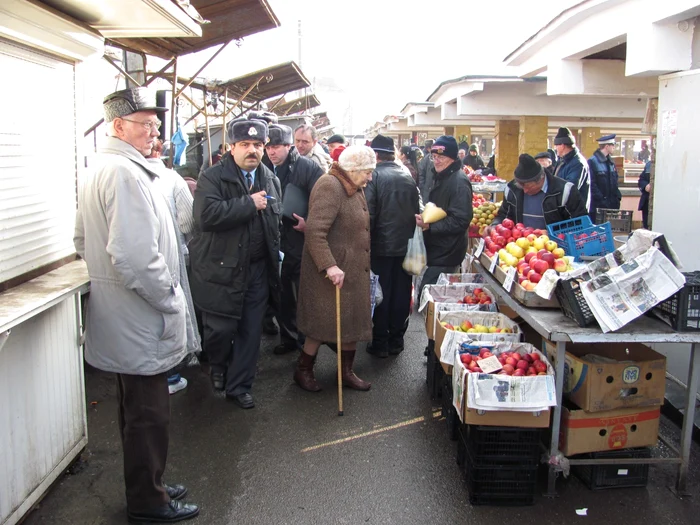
point(348, 185)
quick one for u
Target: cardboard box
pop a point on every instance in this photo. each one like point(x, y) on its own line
point(582, 432)
point(637, 380)
point(449, 294)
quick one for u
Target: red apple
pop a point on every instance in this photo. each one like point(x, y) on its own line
point(541, 252)
point(507, 223)
point(508, 369)
point(519, 372)
point(535, 277)
point(511, 361)
point(522, 364)
point(524, 269)
point(520, 225)
point(540, 267)
point(529, 256)
point(466, 358)
point(535, 356)
point(516, 356)
point(527, 357)
point(560, 265)
point(540, 366)
point(549, 259)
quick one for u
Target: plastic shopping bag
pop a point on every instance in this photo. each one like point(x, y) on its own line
point(416, 258)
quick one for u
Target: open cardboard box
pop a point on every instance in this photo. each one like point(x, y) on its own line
point(637, 379)
point(445, 296)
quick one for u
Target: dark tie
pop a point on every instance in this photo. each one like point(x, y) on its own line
point(249, 180)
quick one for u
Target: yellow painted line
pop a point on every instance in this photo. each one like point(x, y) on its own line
point(373, 432)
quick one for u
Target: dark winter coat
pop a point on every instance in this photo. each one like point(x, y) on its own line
point(562, 202)
point(604, 190)
point(337, 234)
point(302, 173)
point(219, 253)
point(475, 162)
point(393, 202)
point(644, 179)
point(573, 167)
point(446, 240)
point(425, 176)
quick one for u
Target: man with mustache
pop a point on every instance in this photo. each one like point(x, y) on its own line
point(235, 258)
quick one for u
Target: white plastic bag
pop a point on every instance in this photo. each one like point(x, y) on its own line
point(416, 258)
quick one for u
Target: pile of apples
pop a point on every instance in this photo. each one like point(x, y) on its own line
point(478, 296)
point(477, 200)
point(469, 328)
point(529, 250)
point(483, 216)
point(513, 363)
point(474, 177)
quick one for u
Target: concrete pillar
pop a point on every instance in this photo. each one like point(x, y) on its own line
point(588, 143)
point(532, 136)
point(450, 130)
point(507, 134)
point(463, 133)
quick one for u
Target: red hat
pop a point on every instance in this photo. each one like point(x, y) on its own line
point(336, 153)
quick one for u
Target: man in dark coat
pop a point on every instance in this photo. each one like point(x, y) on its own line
point(604, 189)
point(537, 199)
point(301, 172)
point(473, 159)
point(572, 166)
point(393, 202)
point(644, 185)
point(425, 174)
point(545, 160)
point(235, 258)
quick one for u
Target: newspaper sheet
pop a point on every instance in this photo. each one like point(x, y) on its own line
point(502, 392)
point(619, 294)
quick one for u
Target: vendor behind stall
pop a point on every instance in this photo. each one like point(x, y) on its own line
point(536, 199)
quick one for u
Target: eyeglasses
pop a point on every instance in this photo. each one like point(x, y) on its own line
point(146, 125)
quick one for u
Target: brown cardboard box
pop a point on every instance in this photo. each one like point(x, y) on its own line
point(582, 432)
point(506, 418)
point(638, 380)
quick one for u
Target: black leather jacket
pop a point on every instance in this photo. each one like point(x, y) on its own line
point(393, 202)
point(303, 173)
point(220, 250)
point(446, 240)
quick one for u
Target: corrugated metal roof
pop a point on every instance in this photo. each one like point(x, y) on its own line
point(271, 82)
point(230, 19)
point(296, 105)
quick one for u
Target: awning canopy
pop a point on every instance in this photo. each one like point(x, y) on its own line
point(229, 20)
point(271, 82)
point(296, 105)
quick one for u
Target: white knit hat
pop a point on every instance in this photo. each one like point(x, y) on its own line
point(356, 158)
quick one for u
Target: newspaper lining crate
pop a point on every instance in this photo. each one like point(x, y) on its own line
point(682, 309)
point(573, 304)
point(620, 220)
point(566, 229)
point(621, 475)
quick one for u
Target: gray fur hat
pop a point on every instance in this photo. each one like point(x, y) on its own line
point(127, 101)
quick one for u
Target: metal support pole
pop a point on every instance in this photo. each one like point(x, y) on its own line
point(223, 124)
point(556, 422)
point(173, 105)
point(187, 84)
point(688, 421)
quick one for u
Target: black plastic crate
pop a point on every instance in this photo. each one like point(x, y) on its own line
point(573, 304)
point(434, 374)
point(682, 309)
point(619, 475)
point(489, 446)
point(498, 485)
point(620, 220)
point(449, 412)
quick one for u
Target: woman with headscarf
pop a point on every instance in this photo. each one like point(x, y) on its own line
point(336, 253)
point(409, 156)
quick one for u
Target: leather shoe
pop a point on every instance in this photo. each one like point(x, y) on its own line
point(244, 400)
point(176, 492)
point(284, 348)
point(269, 327)
point(217, 380)
point(169, 513)
point(377, 351)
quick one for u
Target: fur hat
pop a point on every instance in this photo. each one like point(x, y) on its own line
point(445, 145)
point(564, 137)
point(280, 134)
point(239, 130)
point(382, 143)
point(127, 101)
point(336, 139)
point(528, 169)
point(265, 116)
point(355, 158)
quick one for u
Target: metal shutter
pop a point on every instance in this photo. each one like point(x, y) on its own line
point(37, 160)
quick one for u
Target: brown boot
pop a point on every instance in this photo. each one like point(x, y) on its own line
point(350, 380)
point(304, 374)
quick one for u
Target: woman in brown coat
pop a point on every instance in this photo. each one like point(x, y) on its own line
point(336, 253)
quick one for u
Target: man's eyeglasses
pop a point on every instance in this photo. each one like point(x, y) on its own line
point(146, 125)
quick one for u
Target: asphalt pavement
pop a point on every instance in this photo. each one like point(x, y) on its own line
point(293, 460)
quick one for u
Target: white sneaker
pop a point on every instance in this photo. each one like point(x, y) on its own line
point(176, 387)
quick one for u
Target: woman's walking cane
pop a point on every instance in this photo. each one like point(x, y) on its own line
point(338, 338)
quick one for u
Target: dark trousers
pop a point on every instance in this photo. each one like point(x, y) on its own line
point(645, 216)
point(391, 317)
point(287, 317)
point(144, 420)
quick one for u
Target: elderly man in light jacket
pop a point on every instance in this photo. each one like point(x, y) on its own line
point(137, 312)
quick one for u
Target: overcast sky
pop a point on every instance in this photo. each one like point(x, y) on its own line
point(374, 56)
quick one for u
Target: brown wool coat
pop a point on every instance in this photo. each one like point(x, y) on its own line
point(337, 233)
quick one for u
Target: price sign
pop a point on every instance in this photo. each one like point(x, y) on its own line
point(494, 263)
point(510, 278)
point(479, 249)
point(490, 365)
